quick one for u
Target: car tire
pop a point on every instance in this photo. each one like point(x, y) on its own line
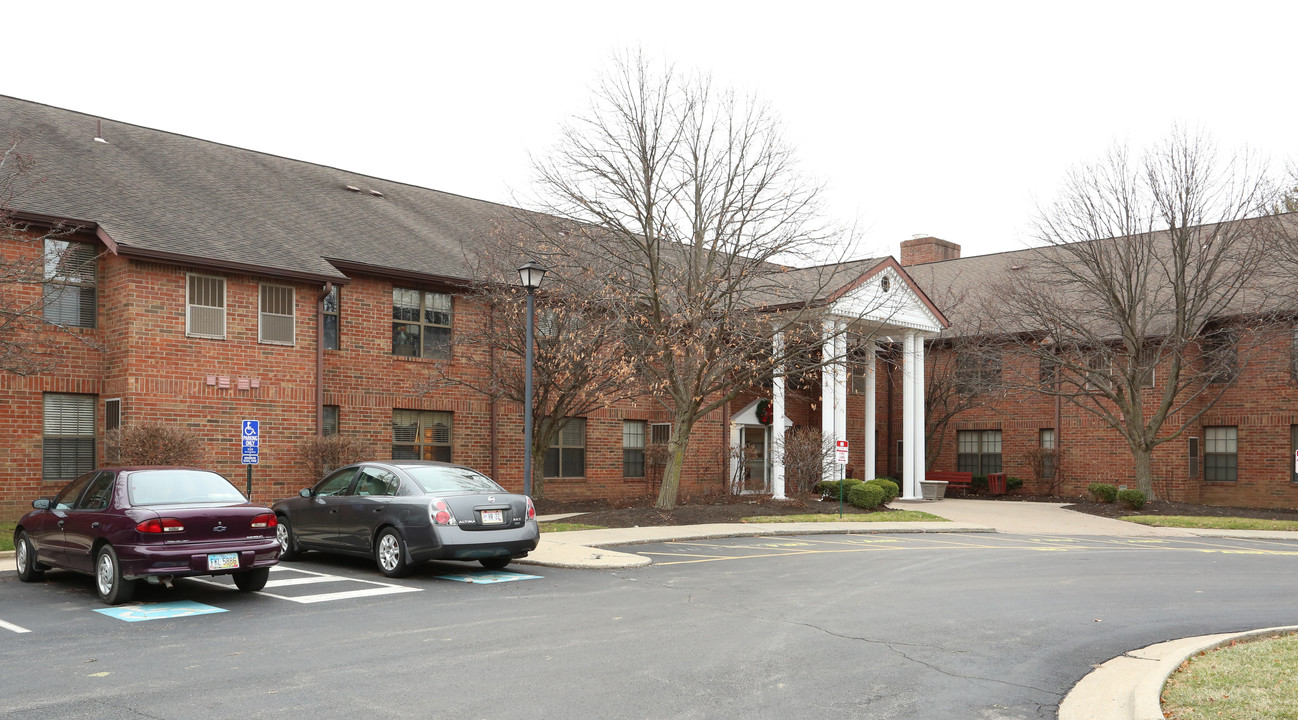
point(288, 549)
point(25, 558)
point(251, 580)
point(495, 563)
point(390, 554)
point(113, 589)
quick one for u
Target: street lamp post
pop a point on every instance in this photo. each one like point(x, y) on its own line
point(530, 276)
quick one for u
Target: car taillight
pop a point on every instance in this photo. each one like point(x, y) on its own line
point(161, 525)
point(440, 512)
point(265, 520)
point(531, 510)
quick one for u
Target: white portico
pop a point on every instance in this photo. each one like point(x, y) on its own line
point(882, 306)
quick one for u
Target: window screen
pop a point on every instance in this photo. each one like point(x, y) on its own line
point(69, 440)
point(205, 307)
point(276, 316)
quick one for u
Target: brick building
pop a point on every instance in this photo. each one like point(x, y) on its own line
point(199, 284)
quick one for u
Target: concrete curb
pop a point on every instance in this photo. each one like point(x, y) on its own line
point(1130, 686)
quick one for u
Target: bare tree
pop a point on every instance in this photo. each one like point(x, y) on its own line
point(687, 202)
point(1147, 297)
point(581, 362)
point(28, 261)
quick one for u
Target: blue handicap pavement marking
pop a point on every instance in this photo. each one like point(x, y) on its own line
point(159, 611)
point(488, 576)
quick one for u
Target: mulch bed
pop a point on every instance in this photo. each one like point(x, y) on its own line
point(640, 512)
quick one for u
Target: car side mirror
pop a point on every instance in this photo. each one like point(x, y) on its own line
point(41, 503)
point(304, 492)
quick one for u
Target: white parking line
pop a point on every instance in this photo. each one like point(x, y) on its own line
point(11, 626)
point(312, 578)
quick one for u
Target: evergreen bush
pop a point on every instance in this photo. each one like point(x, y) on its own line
point(1103, 492)
point(866, 496)
point(1133, 499)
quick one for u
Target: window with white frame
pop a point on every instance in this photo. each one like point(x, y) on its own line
point(978, 451)
point(1048, 453)
point(633, 444)
point(69, 290)
point(1221, 454)
point(275, 315)
point(205, 306)
point(418, 435)
point(567, 457)
point(332, 317)
point(68, 446)
point(421, 324)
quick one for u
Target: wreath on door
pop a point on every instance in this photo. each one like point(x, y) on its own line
point(764, 411)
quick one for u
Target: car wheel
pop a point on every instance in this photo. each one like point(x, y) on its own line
point(390, 554)
point(495, 563)
point(113, 589)
point(288, 549)
point(25, 558)
point(251, 580)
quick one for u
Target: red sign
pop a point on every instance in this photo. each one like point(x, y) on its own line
point(840, 452)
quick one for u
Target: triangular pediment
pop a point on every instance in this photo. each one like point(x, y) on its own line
point(887, 295)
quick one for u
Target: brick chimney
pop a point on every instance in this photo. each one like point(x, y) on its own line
point(926, 249)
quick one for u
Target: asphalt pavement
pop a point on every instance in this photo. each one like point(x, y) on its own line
point(1124, 688)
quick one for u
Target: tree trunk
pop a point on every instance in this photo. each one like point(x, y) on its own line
point(676, 447)
point(1144, 471)
point(538, 473)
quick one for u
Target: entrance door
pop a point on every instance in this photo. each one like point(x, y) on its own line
point(756, 446)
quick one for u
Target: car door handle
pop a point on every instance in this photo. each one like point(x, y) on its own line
point(60, 523)
point(94, 524)
point(334, 511)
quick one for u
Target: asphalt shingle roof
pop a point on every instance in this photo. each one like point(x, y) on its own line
point(151, 190)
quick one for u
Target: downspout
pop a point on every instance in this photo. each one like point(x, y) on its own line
point(319, 358)
point(491, 359)
point(725, 447)
point(1059, 438)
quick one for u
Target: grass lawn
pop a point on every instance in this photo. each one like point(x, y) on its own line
point(1212, 523)
point(7, 536)
point(1245, 681)
point(565, 526)
point(888, 516)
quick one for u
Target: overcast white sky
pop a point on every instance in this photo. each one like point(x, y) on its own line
point(954, 119)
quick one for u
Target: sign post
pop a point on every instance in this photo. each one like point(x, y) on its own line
point(840, 457)
point(249, 442)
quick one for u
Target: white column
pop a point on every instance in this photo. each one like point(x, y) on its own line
point(870, 450)
point(827, 394)
point(909, 486)
point(777, 422)
point(840, 383)
point(921, 431)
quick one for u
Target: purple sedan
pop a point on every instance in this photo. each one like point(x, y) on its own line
point(120, 525)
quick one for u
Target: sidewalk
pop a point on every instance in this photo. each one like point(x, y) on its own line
point(589, 548)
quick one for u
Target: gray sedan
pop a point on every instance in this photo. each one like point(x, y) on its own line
point(406, 512)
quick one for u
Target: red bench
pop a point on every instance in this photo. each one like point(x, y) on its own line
point(961, 480)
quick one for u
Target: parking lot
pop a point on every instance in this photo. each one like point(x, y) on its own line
point(877, 626)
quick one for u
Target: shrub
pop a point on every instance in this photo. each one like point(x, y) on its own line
point(1133, 499)
point(866, 495)
point(322, 454)
point(805, 458)
point(1103, 492)
point(978, 484)
point(1013, 483)
point(829, 488)
point(890, 489)
point(153, 444)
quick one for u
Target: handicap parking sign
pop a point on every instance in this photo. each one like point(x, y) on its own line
point(249, 442)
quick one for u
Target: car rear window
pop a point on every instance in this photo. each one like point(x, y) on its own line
point(173, 487)
point(452, 479)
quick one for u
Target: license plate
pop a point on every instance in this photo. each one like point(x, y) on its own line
point(223, 561)
point(493, 517)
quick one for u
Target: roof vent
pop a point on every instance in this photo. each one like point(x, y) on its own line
point(1016, 267)
point(376, 193)
point(99, 132)
point(353, 188)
